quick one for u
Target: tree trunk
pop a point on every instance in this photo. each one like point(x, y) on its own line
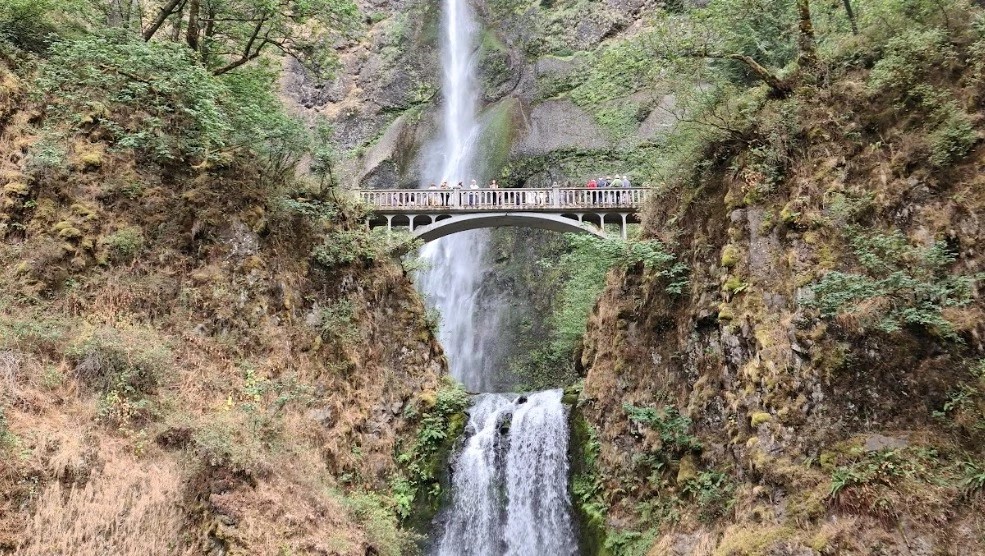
point(780, 87)
point(191, 36)
point(162, 16)
point(807, 43)
point(851, 16)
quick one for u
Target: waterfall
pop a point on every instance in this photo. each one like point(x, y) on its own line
point(510, 480)
point(452, 284)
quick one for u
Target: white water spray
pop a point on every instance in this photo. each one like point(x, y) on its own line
point(510, 480)
point(453, 282)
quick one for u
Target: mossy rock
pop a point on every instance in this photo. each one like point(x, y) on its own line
point(687, 470)
point(730, 255)
point(725, 312)
point(67, 230)
point(17, 188)
point(758, 418)
point(734, 285)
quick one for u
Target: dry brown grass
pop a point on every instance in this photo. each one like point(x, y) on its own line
point(126, 507)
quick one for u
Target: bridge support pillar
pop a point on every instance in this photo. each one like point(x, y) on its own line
point(581, 217)
point(624, 225)
point(389, 222)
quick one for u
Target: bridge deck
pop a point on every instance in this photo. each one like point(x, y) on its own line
point(433, 213)
point(462, 201)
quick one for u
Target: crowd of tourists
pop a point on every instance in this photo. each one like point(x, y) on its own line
point(595, 191)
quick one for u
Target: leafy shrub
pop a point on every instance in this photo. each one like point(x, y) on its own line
point(338, 321)
point(713, 491)
point(125, 243)
point(439, 424)
point(226, 440)
point(909, 58)
point(953, 134)
point(385, 535)
point(128, 362)
point(151, 96)
point(674, 428)
point(154, 97)
point(27, 24)
point(629, 543)
point(884, 467)
point(343, 247)
point(902, 285)
point(974, 477)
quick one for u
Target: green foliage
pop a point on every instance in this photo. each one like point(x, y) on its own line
point(29, 24)
point(226, 440)
point(630, 543)
point(713, 491)
point(373, 513)
point(908, 62)
point(440, 421)
point(885, 467)
point(974, 477)
point(338, 321)
point(905, 285)
point(432, 319)
point(125, 243)
point(342, 247)
point(674, 429)
point(126, 361)
point(152, 97)
point(952, 134)
point(909, 58)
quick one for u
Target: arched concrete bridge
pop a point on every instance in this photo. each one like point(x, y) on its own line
point(431, 214)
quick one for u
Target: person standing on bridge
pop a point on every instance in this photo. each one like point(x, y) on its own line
point(592, 185)
point(431, 195)
point(472, 192)
point(444, 194)
point(497, 196)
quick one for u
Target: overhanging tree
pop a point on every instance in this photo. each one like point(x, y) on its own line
point(227, 34)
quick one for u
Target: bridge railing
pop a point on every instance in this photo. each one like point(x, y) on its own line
point(533, 199)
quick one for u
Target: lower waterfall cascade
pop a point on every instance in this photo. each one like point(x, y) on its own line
point(510, 480)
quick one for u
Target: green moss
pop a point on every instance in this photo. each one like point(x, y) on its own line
point(789, 215)
point(688, 469)
point(585, 484)
point(730, 255)
point(725, 312)
point(16, 188)
point(759, 417)
point(734, 285)
point(499, 132)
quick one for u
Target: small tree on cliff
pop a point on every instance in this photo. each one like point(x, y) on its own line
point(227, 34)
point(744, 39)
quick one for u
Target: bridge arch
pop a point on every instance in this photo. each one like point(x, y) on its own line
point(543, 221)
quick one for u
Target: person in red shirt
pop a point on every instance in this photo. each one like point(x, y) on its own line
point(593, 185)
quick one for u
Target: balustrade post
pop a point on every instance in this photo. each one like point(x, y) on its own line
point(556, 196)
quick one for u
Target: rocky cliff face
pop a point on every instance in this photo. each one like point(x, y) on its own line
point(760, 413)
point(179, 373)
